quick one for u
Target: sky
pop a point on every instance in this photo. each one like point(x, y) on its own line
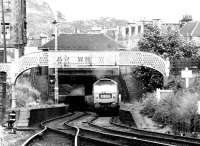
point(132, 10)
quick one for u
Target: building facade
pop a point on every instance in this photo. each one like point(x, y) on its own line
point(15, 28)
point(191, 31)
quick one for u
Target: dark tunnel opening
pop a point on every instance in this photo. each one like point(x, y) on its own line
point(74, 88)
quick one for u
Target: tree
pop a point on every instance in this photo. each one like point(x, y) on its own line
point(150, 78)
point(152, 40)
point(168, 43)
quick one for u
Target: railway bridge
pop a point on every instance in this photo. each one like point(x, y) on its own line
point(82, 52)
point(82, 59)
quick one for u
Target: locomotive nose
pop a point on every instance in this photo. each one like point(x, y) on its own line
point(113, 105)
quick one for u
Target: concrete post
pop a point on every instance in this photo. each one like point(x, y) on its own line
point(129, 31)
point(186, 74)
point(56, 88)
point(158, 95)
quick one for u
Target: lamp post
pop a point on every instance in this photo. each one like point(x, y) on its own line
point(56, 88)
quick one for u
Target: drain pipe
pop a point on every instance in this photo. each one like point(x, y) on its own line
point(76, 136)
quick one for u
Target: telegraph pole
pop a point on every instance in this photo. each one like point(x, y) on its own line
point(56, 88)
point(4, 35)
point(3, 74)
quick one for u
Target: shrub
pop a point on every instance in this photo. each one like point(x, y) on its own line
point(161, 117)
point(25, 93)
point(149, 104)
point(178, 110)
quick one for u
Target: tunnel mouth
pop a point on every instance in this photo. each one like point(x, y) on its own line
point(77, 84)
point(76, 103)
point(73, 90)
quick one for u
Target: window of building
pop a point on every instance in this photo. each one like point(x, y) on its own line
point(139, 29)
point(127, 31)
point(7, 5)
point(1, 55)
point(7, 30)
point(132, 30)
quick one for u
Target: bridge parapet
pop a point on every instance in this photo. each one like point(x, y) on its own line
point(147, 59)
point(5, 67)
point(32, 60)
point(23, 63)
point(76, 59)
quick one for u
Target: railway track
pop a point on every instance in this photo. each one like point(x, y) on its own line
point(64, 129)
point(155, 136)
point(49, 134)
point(101, 137)
point(79, 128)
point(54, 132)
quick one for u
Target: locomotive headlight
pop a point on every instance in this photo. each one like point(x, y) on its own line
point(113, 105)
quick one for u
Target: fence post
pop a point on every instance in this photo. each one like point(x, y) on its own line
point(158, 95)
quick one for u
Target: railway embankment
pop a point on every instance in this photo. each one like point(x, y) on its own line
point(26, 118)
point(130, 115)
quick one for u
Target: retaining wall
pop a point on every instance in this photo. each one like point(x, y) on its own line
point(31, 116)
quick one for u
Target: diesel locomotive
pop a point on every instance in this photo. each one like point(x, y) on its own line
point(105, 95)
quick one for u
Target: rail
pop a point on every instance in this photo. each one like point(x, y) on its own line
point(108, 138)
point(156, 135)
point(45, 128)
point(76, 136)
point(29, 140)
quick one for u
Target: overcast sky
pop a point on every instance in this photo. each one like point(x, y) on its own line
point(167, 10)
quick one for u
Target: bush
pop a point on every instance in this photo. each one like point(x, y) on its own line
point(161, 118)
point(26, 94)
point(177, 111)
point(149, 104)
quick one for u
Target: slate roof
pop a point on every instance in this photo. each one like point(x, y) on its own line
point(191, 29)
point(83, 42)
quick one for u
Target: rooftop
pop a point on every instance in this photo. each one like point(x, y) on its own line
point(191, 29)
point(83, 42)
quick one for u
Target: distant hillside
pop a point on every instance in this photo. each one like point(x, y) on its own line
point(40, 16)
point(101, 22)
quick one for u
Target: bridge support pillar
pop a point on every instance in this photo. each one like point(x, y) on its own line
point(13, 98)
point(56, 88)
point(165, 80)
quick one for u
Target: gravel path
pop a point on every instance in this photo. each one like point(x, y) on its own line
point(8, 139)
